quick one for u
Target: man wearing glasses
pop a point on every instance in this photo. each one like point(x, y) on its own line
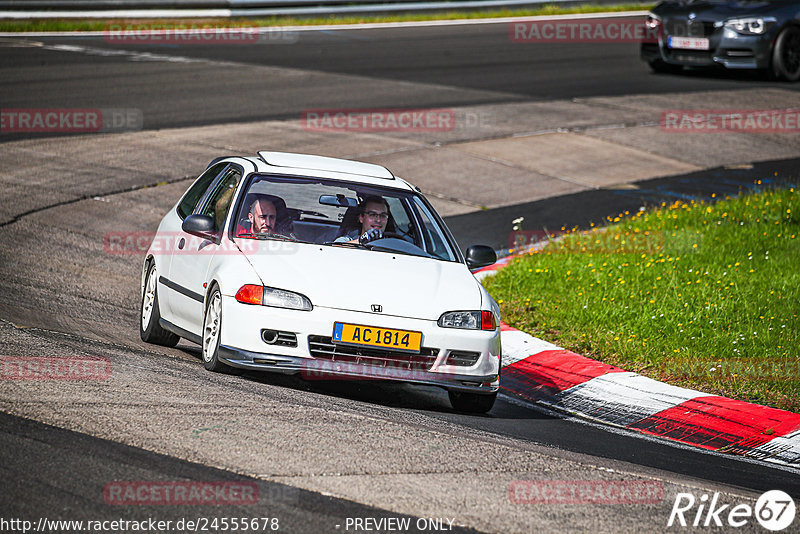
point(373, 216)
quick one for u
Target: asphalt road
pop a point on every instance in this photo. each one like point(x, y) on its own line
point(78, 487)
point(379, 447)
point(395, 68)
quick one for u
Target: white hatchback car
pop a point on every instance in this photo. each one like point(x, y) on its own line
point(331, 268)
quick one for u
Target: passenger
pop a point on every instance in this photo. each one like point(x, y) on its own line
point(373, 216)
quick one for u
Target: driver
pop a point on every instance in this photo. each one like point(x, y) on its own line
point(373, 216)
point(262, 217)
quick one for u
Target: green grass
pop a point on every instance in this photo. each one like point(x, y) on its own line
point(53, 25)
point(701, 295)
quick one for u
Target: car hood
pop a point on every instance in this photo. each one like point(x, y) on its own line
point(355, 279)
point(721, 9)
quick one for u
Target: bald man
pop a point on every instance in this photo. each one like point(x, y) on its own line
point(262, 217)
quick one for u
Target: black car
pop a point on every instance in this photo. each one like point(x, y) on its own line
point(737, 34)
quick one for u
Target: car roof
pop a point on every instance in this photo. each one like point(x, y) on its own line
point(322, 163)
point(327, 167)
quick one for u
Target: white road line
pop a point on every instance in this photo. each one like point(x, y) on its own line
point(135, 55)
point(110, 52)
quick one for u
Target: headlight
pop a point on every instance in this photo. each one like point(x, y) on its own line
point(652, 21)
point(270, 296)
point(750, 25)
point(471, 320)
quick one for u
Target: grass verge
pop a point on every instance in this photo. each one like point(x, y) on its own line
point(700, 295)
point(61, 25)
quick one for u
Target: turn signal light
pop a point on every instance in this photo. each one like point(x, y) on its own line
point(250, 294)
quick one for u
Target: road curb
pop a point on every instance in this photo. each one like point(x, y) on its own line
point(564, 381)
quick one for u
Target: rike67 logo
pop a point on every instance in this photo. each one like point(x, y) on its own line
point(774, 510)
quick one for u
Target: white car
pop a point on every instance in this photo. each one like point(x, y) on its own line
point(331, 268)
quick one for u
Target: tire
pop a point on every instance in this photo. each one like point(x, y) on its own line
point(212, 328)
point(149, 315)
point(471, 402)
point(786, 55)
point(663, 67)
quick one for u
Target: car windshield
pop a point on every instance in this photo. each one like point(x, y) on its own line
point(335, 213)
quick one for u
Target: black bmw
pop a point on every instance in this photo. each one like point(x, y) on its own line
point(737, 34)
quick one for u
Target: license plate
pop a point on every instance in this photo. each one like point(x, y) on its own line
point(375, 336)
point(688, 43)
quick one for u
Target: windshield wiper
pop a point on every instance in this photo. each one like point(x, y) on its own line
point(276, 237)
point(355, 244)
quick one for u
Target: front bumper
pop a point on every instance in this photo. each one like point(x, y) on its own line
point(312, 369)
point(444, 361)
point(726, 48)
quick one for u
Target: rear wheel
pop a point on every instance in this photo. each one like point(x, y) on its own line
point(212, 328)
point(149, 328)
point(471, 402)
point(786, 55)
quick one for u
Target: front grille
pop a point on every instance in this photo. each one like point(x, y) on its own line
point(322, 348)
point(685, 28)
point(690, 56)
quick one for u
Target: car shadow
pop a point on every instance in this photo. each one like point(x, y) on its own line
point(399, 395)
point(379, 392)
point(721, 73)
point(387, 393)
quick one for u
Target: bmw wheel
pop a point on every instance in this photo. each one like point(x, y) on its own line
point(786, 55)
point(149, 328)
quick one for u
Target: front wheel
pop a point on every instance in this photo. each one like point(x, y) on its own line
point(149, 328)
point(212, 328)
point(786, 55)
point(472, 402)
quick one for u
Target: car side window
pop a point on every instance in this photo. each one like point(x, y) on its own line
point(219, 202)
point(195, 193)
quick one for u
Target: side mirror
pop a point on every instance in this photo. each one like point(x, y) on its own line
point(201, 226)
point(480, 256)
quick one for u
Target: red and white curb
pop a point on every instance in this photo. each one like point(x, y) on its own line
point(546, 374)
